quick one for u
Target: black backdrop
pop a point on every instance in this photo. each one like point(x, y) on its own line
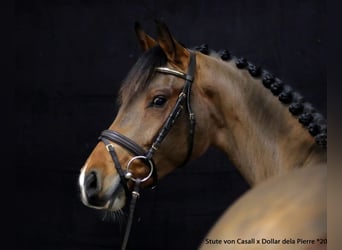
point(70, 59)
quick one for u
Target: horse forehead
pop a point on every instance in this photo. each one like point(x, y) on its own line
point(165, 81)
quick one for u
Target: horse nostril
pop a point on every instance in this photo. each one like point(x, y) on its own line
point(92, 185)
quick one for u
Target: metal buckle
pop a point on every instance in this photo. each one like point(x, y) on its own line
point(108, 146)
point(182, 95)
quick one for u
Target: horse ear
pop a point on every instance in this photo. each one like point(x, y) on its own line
point(174, 51)
point(146, 42)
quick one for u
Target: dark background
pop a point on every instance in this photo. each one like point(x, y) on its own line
point(70, 59)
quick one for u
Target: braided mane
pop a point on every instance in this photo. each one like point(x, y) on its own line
point(306, 114)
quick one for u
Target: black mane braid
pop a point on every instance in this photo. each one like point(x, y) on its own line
point(306, 114)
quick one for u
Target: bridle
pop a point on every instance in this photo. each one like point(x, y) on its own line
point(109, 136)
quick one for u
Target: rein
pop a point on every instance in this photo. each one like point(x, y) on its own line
point(109, 136)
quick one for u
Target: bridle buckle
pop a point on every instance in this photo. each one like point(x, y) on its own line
point(109, 147)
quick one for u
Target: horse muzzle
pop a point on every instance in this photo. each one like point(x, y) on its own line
point(101, 193)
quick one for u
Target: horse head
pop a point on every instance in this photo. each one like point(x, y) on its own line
point(154, 130)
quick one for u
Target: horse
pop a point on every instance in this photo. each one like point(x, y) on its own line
point(176, 102)
point(277, 214)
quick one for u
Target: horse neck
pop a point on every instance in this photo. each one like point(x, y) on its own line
point(254, 129)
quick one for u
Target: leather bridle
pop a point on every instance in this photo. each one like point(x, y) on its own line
point(109, 136)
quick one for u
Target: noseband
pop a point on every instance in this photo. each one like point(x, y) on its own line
point(109, 136)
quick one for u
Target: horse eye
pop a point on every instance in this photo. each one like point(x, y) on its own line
point(159, 101)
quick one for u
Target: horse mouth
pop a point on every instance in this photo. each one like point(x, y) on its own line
point(114, 203)
point(117, 200)
point(113, 198)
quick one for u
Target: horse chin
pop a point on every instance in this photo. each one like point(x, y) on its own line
point(113, 204)
point(116, 203)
